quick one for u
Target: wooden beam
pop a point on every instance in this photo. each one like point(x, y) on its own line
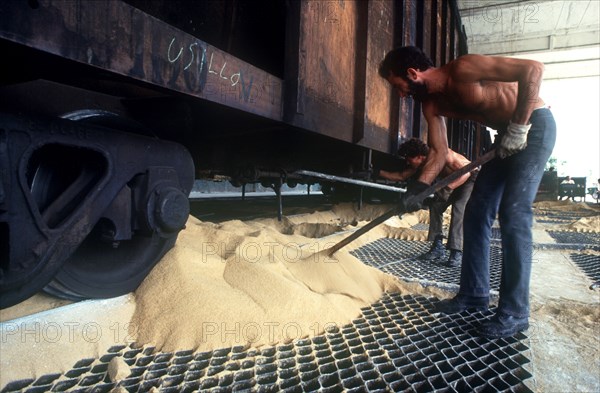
point(115, 37)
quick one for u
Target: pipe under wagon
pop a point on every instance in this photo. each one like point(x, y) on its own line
point(110, 109)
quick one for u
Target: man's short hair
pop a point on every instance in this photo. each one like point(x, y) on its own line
point(412, 148)
point(399, 60)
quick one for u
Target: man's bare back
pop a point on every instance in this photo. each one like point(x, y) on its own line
point(489, 102)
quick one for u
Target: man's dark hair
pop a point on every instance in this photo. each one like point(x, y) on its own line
point(412, 148)
point(399, 60)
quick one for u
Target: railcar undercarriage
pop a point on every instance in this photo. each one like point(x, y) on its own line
point(111, 109)
point(97, 208)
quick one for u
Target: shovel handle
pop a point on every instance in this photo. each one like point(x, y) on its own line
point(420, 196)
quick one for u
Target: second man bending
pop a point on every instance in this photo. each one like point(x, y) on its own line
point(456, 194)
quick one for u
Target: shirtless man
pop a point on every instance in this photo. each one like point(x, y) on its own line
point(501, 93)
point(456, 194)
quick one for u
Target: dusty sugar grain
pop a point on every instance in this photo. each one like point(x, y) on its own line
point(259, 282)
point(264, 282)
point(565, 206)
point(118, 369)
point(586, 224)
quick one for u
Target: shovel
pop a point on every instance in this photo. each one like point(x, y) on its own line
point(420, 196)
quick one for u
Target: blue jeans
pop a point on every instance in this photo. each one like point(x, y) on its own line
point(506, 187)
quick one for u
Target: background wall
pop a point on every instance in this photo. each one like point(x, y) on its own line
point(565, 36)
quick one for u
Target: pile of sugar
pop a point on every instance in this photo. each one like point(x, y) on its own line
point(586, 224)
point(566, 206)
point(589, 223)
point(261, 282)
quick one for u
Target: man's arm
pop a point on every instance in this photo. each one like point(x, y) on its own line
point(434, 163)
point(455, 162)
point(397, 176)
point(437, 140)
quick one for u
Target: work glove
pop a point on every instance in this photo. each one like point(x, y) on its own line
point(409, 204)
point(514, 140)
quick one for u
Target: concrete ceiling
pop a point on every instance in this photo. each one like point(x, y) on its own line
point(563, 34)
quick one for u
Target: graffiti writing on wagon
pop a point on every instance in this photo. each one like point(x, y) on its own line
point(209, 72)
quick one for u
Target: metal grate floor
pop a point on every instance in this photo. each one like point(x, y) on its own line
point(421, 227)
point(496, 234)
point(400, 258)
point(564, 215)
point(552, 221)
point(589, 264)
point(398, 344)
point(575, 237)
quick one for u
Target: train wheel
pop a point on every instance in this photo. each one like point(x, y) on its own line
point(99, 269)
point(105, 265)
point(86, 209)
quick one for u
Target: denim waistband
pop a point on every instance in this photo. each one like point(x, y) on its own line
point(539, 111)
